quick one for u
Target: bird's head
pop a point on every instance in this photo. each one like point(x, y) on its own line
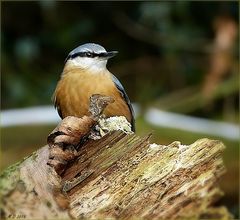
point(89, 56)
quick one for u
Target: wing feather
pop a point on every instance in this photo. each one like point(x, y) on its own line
point(127, 100)
point(57, 105)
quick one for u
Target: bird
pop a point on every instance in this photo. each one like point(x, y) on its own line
point(85, 74)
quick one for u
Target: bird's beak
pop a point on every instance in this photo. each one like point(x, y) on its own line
point(110, 54)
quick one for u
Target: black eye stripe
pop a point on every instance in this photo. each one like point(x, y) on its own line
point(85, 54)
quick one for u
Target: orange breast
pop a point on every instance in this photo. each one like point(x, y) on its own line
point(75, 88)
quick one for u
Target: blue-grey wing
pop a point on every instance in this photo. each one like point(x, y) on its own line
point(125, 96)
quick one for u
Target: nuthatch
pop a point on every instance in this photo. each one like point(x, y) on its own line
point(85, 74)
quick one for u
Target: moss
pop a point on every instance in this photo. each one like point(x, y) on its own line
point(9, 178)
point(220, 213)
point(34, 156)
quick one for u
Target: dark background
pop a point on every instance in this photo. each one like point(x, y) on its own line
point(178, 56)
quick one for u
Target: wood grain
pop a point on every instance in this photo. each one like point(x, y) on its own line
point(121, 177)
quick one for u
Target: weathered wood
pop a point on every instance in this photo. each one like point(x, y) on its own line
point(27, 189)
point(119, 176)
point(66, 138)
point(137, 179)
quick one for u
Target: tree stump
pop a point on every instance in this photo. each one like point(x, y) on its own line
point(119, 176)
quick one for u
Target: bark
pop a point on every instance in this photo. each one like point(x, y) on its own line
point(120, 176)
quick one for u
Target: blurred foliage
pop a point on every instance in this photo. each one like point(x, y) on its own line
point(164, 46)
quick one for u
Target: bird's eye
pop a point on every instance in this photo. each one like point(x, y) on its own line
point(88, 54)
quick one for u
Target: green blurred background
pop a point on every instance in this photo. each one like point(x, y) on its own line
point(180, 57)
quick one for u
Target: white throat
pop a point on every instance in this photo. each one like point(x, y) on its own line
point(94, 65)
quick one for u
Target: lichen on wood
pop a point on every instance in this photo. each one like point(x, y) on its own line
point(31, 194)
point(148, 181)
point(116, 175)
point(121, 176)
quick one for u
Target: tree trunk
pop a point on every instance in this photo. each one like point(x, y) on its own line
point(120, 176)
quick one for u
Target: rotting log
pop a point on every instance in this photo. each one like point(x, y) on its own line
point(120, 176)
point(97, 168)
